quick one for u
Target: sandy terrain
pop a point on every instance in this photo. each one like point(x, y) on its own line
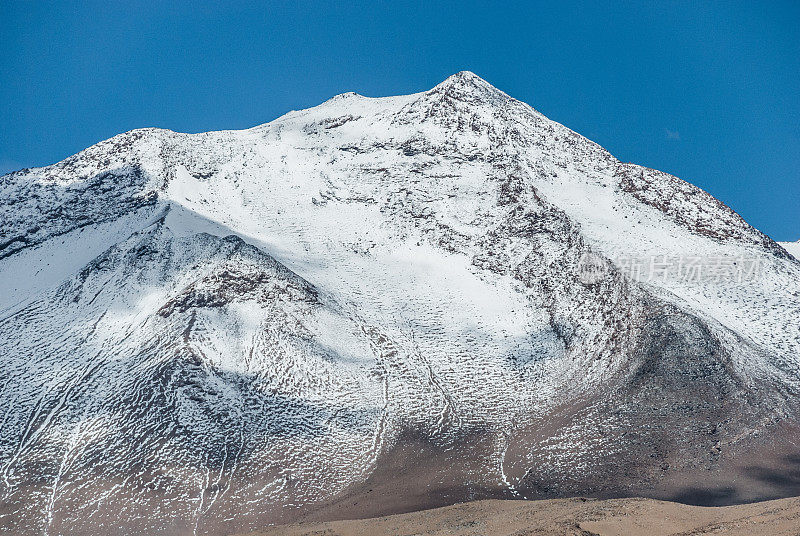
point(584, 517)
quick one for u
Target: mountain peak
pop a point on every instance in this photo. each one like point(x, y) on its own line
point(462, 77)
point(466, 83)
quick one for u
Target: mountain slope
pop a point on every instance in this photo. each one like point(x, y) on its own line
point(792, 247)
point(376, 305)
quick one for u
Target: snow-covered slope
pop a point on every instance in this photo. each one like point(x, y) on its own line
point(792, 247)
point(376, 304)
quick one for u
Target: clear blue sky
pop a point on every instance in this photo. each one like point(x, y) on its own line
point(709, 93)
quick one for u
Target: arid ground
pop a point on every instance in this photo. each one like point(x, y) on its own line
point(578, 516)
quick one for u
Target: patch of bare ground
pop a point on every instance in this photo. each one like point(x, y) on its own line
point(577, 516)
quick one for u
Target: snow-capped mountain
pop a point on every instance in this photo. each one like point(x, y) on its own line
point(375, 305)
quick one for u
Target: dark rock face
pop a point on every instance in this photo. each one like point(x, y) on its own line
point(669, 194)
point(36, 213)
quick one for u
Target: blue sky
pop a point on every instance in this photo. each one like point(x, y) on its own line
point(709, 93)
